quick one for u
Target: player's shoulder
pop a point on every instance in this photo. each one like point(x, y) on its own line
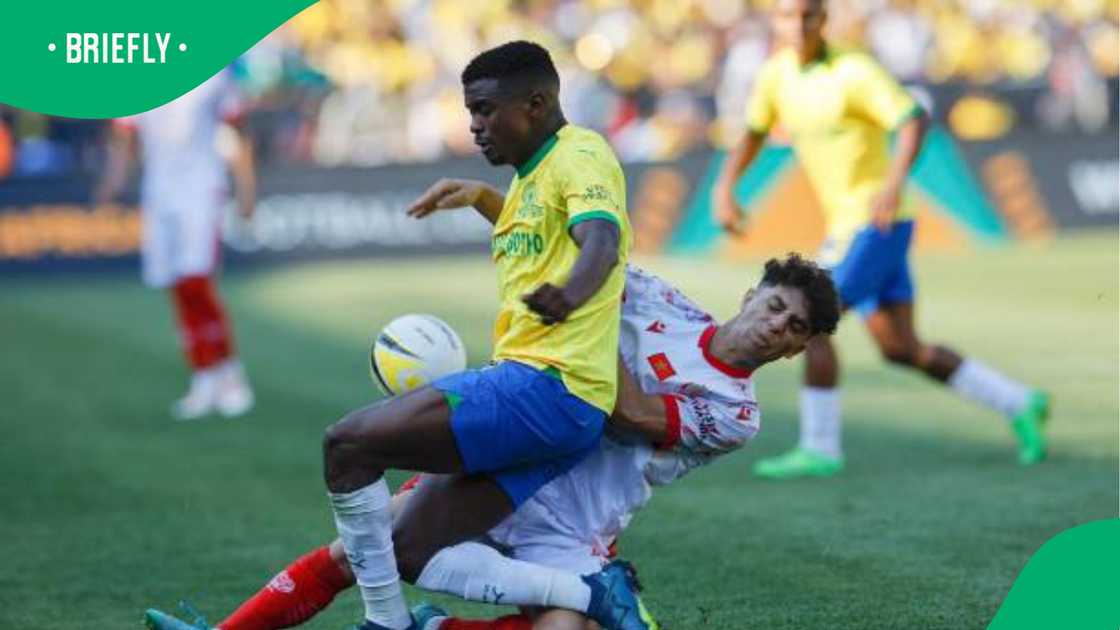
point(852, 61)
point(783, 60)
point(646, 292)
point(579, 144)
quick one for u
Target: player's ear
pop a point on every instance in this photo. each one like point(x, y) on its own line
point(538, 102)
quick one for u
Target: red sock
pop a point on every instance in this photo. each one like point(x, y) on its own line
point(511, 622)
point(295, 595)
point(202, 322)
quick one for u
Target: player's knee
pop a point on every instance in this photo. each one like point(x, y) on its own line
point(899, 354)
point(341, 437)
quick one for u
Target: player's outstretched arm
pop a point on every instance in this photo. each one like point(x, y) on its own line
point(726, 208)
point(598, 241)
point(459, 193)
point(637, 412)
point(243, 167)
point(118, 164)
point(884, 207)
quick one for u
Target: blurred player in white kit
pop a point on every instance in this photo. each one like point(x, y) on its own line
point(186, 146)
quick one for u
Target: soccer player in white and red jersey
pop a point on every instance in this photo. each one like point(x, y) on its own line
point(183, 191)
point(686, 396)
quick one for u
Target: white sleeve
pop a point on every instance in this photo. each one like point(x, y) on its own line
point(700, 429)
point(706, 427)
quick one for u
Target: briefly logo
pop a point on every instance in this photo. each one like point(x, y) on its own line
point(662, 368)
point(117, 48)
point(656, 327)
point(282, 583)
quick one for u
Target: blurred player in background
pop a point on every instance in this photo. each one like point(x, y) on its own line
point(686, 397)
point(186, 145)
point(840, 109)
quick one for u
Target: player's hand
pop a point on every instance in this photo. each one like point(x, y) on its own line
point(550, 302)
point(884, 209)
point(728, 214)
point(446, 194)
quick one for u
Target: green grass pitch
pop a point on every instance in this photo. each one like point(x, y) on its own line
point(107, 506)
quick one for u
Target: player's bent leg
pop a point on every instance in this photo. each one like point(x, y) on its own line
point(892, 328)
point(512, 420)
point(1026, 409)
point(411, 432)
point(822, 366)
point(818, 452)
point(442, 511)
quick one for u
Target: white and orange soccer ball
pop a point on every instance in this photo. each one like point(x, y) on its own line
point(414, 350)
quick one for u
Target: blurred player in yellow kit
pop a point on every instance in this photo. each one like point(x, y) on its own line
point(839, 108)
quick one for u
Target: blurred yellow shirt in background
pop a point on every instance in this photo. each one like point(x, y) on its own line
point(839, 112)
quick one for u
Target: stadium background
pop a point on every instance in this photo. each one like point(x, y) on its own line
point(355, 107)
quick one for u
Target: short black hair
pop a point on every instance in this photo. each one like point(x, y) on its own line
point(520, 59)
point(815, 283)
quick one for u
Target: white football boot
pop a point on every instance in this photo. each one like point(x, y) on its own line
point(233, 396)
point(200, 399)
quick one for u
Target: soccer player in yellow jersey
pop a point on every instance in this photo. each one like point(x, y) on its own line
point(495, 436)
point(839, 109)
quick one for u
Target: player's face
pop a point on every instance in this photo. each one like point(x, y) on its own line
point(501, 122)
point(776, 321)
point(799, 24)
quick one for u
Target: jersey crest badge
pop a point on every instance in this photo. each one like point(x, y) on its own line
point(661, 366)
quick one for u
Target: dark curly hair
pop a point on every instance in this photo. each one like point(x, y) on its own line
point(815, 283)
point(519, 59)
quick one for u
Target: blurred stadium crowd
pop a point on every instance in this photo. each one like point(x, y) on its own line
point(368, 82)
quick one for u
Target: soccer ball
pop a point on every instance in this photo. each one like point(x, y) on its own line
point(414, 350)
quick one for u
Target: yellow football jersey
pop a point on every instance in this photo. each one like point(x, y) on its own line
point(574, 177)
point(839, 111)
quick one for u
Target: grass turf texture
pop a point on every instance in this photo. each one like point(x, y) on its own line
point(110, 507)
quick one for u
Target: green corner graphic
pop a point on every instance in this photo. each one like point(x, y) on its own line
point(1072, 581)
point(198, 39)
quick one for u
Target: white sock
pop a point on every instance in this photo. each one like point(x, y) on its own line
point(820, 420)
point(365, 526)
point(979, 383)
point(479, 573)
